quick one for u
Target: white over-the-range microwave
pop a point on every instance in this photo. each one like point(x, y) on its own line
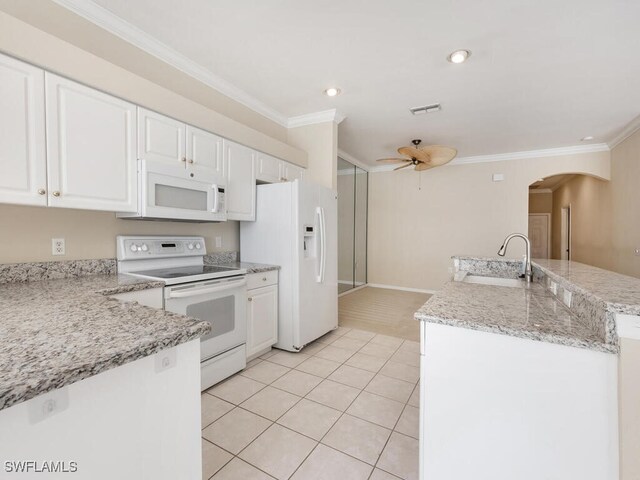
point(172, 192)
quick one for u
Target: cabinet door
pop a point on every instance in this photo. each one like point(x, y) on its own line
point(292, 172)
point(262, 319)
point(23, 169)
point(269, 168)
point(204, 150)
point(241, 181)
point(160, 138)
point(91, 148)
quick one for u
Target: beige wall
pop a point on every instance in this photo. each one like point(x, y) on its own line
point(33, 45)
point(27, 233)
point(541, 202)
point(413, 230)
point(320, 141)
point(625, 206)
point(590, 201)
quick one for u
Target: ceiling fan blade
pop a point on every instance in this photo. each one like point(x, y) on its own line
point(403, 166)
point(413, 152)
point(424, 166)
point(439, 154)
point(393, 160)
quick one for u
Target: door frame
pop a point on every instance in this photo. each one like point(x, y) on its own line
point(565, 233)
point(548, 215)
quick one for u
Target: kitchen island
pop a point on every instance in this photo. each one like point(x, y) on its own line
point(82, 374)
point(521, 380)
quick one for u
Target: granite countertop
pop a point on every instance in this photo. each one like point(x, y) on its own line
point(56, 332)
point(531, 313)
point(248, 266)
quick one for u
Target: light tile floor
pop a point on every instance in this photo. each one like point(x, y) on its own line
point(346, 407)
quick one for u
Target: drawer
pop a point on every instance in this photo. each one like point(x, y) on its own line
point(262, 279)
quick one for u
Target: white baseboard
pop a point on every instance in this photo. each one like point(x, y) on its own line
point(349, 282)
point(354, 289)
point(406, 289)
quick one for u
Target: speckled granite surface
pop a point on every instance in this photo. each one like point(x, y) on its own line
point(596, 296)
point(530, 313)
point(248, 266)
point(218, 258)
point(56, 332)
point(34, 271)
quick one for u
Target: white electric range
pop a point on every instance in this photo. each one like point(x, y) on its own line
point(216, 294)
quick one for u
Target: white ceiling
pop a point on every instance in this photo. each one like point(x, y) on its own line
point(542, 74)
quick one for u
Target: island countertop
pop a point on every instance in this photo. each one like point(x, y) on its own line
point(531, 313)
point(56, 332)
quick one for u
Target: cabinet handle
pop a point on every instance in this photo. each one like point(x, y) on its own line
point(184, 159)
point(41, 191)
point(264, 279)
point(250, 299)
point(191, 160)
point(56, 194)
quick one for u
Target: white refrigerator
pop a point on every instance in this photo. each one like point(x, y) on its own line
point(296, 228)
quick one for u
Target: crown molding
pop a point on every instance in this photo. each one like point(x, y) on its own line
point(539, 190)
point(314, 118)
point(117, 26)
point(353, 160)
point(501, 157)
point(632, 127)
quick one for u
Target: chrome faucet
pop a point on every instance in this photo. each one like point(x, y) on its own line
point(528, 273)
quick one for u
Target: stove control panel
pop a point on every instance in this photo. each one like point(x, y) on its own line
point(134, 248)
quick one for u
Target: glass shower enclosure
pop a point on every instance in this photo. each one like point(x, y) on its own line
point(352, 226)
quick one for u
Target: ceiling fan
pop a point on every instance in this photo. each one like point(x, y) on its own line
point(423, 158)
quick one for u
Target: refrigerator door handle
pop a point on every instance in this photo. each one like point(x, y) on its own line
point(323, 244)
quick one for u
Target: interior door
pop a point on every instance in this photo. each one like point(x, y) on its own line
point(23, 177)
point(539, 235)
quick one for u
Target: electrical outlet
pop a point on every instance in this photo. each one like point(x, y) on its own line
point(57, 246)
point(218, 242)
point(553, 286)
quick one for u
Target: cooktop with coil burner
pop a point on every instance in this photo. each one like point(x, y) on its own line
point(173, 260)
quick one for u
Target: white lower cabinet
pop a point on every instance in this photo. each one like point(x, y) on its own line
point(262, 316)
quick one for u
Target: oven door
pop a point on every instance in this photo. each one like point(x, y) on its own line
point(222, 303)
point(169, 191)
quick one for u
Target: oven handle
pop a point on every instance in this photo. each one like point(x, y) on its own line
point(203, 291)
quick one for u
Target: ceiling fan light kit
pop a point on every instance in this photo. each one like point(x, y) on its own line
point(423, 158)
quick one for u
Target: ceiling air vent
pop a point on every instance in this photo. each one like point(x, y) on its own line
point(426, 109)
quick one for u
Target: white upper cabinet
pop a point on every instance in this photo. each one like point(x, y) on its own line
point(291, 172)
point(273, 170)
point(204, 150)
point(160, 138)
point(240, 167)
point(23, 169)
point(269, 168)
point(91, 148)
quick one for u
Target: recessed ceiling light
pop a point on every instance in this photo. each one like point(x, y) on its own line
point(332, 92)
point(587, 138)
point(459, 56)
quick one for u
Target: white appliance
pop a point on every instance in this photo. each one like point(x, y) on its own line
point(173, 192)
point(215, 294)
point(296, 228)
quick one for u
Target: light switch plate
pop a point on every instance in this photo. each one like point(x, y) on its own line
point(218, 242)
point(498, 177)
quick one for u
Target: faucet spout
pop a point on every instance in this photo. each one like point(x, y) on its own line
point(528, 272)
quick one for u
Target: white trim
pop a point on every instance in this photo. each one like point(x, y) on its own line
point(353, 160)
point(317, 117)
point(628, 326)
point(540, 190)
point(355, 289)
point(501, 157)
point(406, 289)
point(130, 33)
point(632, 127)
